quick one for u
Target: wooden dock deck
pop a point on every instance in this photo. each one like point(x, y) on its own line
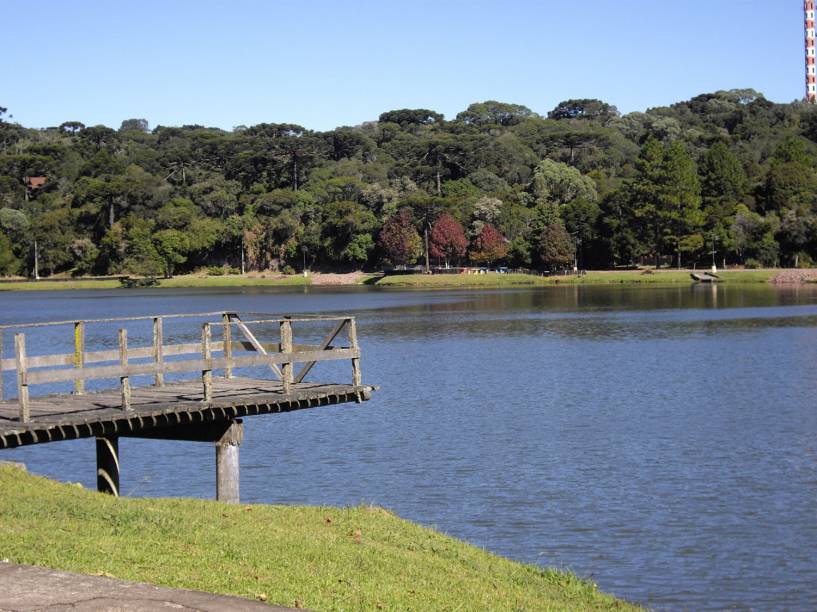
point(70, 417)
point(209, 409)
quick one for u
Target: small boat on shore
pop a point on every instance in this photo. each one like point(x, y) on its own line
point(704, 277)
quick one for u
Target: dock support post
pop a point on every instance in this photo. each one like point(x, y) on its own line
point(227, 464)
point(107, 465)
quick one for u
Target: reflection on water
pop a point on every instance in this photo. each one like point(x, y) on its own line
point(661, 440)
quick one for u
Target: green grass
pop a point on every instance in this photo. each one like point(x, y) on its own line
point(447, 281)
point(639, 277)
point(462, 280)
point(323, 558)
point(234, 281)
point(45, 285)
point(748, 276)
point(175, 282)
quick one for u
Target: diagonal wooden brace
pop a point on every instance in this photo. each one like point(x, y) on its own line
point(255, 344)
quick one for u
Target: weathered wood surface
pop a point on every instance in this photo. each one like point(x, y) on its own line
point(68, 417)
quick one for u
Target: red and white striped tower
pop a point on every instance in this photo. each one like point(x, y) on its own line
point(811, 76)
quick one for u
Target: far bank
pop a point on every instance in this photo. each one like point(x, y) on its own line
point(426, 281)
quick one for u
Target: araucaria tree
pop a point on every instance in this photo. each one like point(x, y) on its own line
point(399, 238)
point(489, 246)
point(448, 240)
point(667, 200)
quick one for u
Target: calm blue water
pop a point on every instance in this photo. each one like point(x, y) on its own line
point(662, 441)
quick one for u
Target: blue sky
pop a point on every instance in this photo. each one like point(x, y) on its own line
point(323, 64)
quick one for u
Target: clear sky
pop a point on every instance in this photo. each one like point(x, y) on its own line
point(322, 64)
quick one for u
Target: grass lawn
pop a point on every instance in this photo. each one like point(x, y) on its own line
point(447, 281)
point(175, 282)
point(591, 278)
point(234, 281)
point(321, 558)
point(46, 285)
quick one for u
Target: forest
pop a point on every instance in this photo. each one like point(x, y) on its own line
point(726, 176)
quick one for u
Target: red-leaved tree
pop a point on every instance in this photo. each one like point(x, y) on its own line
point(448, 239)
point(489, 246)
point(400, 239)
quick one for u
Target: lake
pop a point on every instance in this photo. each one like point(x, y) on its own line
point(661, 441)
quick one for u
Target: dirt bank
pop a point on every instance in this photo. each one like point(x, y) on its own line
point(351, 278)
point(794, 277)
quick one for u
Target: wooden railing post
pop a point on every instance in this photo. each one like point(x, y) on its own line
point(228, 346)
point(158, 351)
point(123, 362)
point(79, 355)
point(22, 382)
point(207, 373)
point(286, 347)
point(356, 377)
point(1, 365)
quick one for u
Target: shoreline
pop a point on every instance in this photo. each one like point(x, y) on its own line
point(190, 281)
point(316, 557)
point(775, 277)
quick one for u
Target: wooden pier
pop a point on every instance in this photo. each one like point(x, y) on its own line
point(209, 408)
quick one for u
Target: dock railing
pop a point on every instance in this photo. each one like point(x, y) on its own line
point(239, 347)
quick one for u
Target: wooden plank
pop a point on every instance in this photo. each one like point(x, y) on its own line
point(113, 320)
point(22, 382)
point(67, 359)
point(256, 345)
point(310, 319)
point(207, 431)
point(123, 362)
point(188, 349)
point(269, 347)
point(327, 355)
point(142, 352)
point(323, 345)
point(188, 365)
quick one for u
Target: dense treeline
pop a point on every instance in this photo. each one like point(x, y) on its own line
point(498, 184)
